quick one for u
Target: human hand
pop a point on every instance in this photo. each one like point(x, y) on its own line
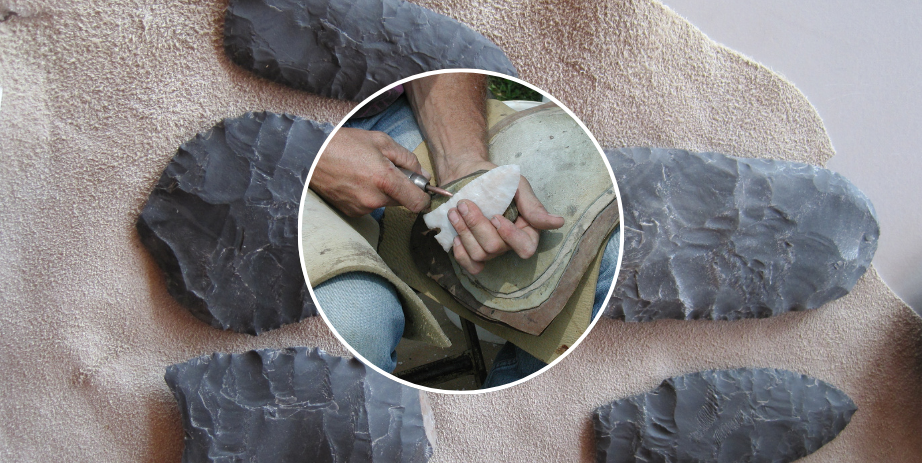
point(483, 238)
point(358, 173)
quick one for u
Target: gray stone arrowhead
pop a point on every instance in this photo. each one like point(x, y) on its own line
point(297, 405)
point(350, 49)
point(222, 222)
point(709, 236)
point(725, 416)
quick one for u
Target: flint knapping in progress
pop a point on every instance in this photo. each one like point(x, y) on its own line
point(492, 192)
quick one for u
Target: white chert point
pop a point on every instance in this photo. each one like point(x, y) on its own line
point(491, 192)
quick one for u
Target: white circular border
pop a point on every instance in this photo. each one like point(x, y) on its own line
point(301, 238)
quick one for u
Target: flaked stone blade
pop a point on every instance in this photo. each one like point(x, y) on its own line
point(297, 404)
point(492, 192)
point(724, 416)
point(222, 222)
point(350, 49)
point(709, 236)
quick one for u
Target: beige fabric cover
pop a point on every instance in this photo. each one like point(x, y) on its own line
point(98, 95)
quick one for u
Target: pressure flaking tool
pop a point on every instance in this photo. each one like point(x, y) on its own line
point(421, 182)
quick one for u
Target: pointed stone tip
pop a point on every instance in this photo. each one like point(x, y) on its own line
point(689, 418)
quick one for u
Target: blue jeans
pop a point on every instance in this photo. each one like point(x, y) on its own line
point(365, 308)
point(397, 121)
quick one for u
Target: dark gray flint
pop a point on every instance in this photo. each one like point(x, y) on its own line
point(296, 404)
point(725, 416)
point(350, 49)
point(222, 222)
point(709, 236)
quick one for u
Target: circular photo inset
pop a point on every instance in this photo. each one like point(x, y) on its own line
point(460, 230)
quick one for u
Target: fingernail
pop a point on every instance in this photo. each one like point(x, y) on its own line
point(457, 241)
point(453, 216)
point(496, 223)
point(462, 206)
point(425, 173)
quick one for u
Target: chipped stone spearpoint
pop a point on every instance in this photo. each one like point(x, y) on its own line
point(724, 416)
point(222, 222)
point(350, 49)
point(297, 404)
point(492, 192)
point(709, 236)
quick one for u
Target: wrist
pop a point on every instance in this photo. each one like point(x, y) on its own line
point(456, 164)
point(462, 169)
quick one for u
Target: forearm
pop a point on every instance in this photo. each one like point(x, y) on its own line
point(450, 109)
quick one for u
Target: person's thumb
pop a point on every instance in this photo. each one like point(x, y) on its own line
point(401, 157)
point(533, 211)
